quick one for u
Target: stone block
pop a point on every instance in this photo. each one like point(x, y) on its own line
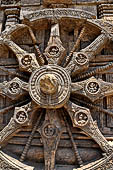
point(57, 1)
point(30, 2)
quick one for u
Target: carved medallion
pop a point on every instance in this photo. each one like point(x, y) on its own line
point(93, 87)
point(49, 131)
point(21, 117)
point(14, 88)
point(54, 52)
point(81, 58)
point(26, 61)
point(81, 118)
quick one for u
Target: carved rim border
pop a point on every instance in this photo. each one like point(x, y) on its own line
point(106, 160)
point(59, 13)
point(43, 14)
point(13, 163)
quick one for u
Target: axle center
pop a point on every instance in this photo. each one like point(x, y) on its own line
point(48, 84)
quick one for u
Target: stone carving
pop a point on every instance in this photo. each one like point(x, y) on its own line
point(58, 13)
point(102, 164)
point(55, 52)
point(48, 84)
point(49, 130)
point(8, 2)
point(14, 11)
point(27, 61)
point(51, 134)
point(8, 130)
point(81, 117)
point(97, 45)
point(14, 88)
point(80, 60)
point(50, 87)
point(9, 33)
point(27, 146)
point(50, 90)
point(19, 119)
point(93, 88)
point(9, 163)
point(105, 26)
point(69, 13)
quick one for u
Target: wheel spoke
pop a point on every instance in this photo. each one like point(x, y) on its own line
point(4, 110)
point(93, 88)
point(101, 70)
point(51, 131)
point(55, 52)
point(97, 45)
point(72, 140)
point(81, 118)
point(27, 61)
point(75, 47)
point(39, 56)
point(13, 89)
point(20, 118)
point(24, 153)
point(79, 63)
point(80, 60)
point(93, 106)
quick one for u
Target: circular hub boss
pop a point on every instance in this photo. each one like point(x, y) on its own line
point(50, 86)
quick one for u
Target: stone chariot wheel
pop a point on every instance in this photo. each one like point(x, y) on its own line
point(61, 90)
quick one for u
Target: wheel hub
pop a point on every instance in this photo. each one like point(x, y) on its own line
point(49, 86)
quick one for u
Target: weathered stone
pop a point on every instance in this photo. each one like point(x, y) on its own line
point(57, 1)
point(56, 85)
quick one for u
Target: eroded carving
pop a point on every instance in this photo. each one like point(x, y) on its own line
point(19, 119)
point(27, 61)
point(8, 2)
point(86, 123)
point(93, 88)
point(55, 52)
point(50, 87)
point(59, 13)
point(81, 118)
point(14, 88)
point(51, 134)
point(9, 163)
